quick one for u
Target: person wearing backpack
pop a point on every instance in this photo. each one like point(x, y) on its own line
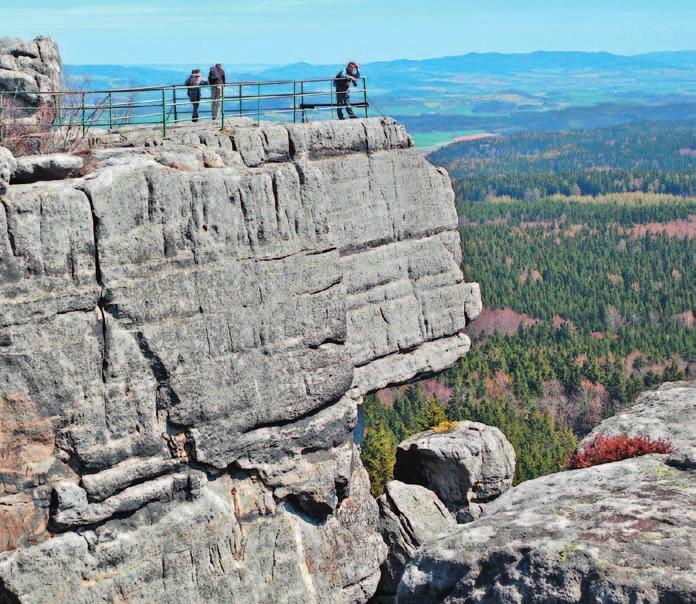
point(217, 80)
point(342, 82)
point(194, 83)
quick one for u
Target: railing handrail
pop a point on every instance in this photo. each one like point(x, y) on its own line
point(161, 87)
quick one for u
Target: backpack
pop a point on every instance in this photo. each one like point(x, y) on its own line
point(194, 94)
point(213, 76)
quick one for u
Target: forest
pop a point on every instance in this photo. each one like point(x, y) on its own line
point(648, 157)
point(601, 293)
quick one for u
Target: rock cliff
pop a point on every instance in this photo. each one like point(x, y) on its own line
point(185, 337)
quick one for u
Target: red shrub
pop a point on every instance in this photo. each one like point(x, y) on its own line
point(607, 449)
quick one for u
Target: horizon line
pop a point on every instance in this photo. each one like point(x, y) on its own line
point(393, 60)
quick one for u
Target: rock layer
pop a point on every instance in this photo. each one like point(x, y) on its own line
point(193, 326)
point(55, 166)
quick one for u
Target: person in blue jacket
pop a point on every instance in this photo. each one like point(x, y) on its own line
point(343, 81)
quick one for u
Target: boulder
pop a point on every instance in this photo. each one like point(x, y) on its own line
point(8, 165)
point(620, 533)
point(470, 464)
point(54, 166)
point(409, 516)
point(668, 414)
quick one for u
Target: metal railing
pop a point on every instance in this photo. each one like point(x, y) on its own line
point(85, 110)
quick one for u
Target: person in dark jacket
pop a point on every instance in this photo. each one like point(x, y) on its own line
point(343, 81)
point(217, 80)
point(194, 83)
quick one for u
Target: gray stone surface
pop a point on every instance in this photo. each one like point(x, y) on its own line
point(185, 337)
point(8, 165)
point(29, 67)
point(471, 464)
point(409, 516)
point(620, 533)
point(54, 166)
point(669, 414)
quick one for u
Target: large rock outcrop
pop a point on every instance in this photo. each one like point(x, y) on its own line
point(622, 532)
point(467, 466)
point(185, 336)
point(28, 68)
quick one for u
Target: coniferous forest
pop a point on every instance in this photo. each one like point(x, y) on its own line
point(589, 295)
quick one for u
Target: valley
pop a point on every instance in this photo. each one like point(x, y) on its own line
point(585, 247)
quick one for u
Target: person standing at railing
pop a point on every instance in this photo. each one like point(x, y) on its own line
point(194, 83)
point(217, 81)
point(342, 82)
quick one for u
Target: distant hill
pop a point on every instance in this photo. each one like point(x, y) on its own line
point(413, 71)
point(446, 97)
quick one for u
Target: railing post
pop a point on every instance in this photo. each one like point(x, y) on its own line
point(222, 113)
point(365, 95)
point(304, 115)
point(258, 104)
point(84, 127)
point(176, 112)
point(294, 102)
point(58, 109)
point(164, 113)
point(111, 113)
point(240, 101)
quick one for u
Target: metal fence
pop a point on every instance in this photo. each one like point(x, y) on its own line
point(85, 110)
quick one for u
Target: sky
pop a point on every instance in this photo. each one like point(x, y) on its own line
point(330, 31)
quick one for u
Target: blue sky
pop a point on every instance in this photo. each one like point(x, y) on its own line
point(329, 31)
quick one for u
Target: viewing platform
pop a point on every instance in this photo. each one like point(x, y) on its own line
point(82, 112)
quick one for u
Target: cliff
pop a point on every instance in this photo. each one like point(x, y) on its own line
point(185, 336)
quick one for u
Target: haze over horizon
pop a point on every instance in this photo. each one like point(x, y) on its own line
point(279, 32)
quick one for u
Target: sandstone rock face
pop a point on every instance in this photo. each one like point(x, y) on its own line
point(54, 166)
point(622, 532)
point(29, 67)
point(472, 464)
point(191, 328)
point(409, 516)
point(668, 414)
point(8, 165)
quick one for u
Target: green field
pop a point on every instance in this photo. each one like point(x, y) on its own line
point(430, 141)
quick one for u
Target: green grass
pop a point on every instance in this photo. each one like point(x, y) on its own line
point(429, 141)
